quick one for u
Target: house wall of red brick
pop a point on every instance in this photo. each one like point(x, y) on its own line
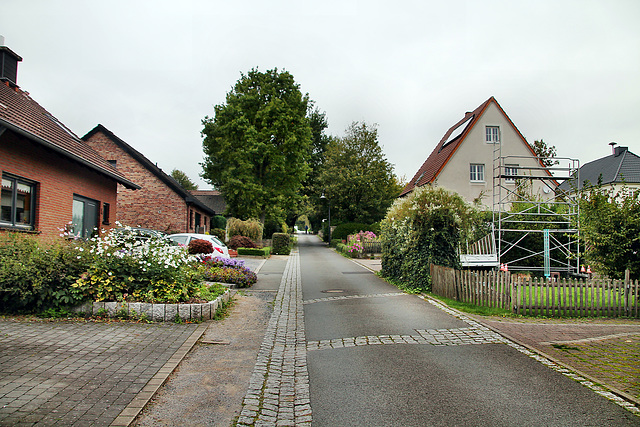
point(58, 179)
point(155, 205)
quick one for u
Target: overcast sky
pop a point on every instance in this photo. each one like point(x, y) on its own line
point(564, 71)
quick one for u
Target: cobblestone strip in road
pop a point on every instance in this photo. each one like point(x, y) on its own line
point(278, 393)
point(602, 391)
point(437, 337)
point(392, 294)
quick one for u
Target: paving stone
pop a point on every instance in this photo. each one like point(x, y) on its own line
point(79, 371)
point(280, 374)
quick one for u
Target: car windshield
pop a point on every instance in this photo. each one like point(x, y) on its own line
point(181, 240)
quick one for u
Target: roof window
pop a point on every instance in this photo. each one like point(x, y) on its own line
point(455, 133)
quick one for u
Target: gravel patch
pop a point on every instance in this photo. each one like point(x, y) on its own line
point(208, 387)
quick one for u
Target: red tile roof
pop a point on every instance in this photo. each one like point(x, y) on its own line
point(441, 154)
point(21, 114)
point(445, 149)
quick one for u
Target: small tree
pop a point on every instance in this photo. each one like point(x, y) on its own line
point(610, 230)
point(183, 180)
point(545, 153)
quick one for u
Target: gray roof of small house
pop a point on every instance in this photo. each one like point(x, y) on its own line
point(212, 198)
point(622, 166)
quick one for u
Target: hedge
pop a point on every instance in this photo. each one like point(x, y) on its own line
point(265, 252)
point(281, 243)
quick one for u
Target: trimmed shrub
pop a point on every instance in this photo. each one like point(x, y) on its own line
point(200, 246)
point(35, 275)
point(219, 221)
point(343, 231)
point(266, 251)
point(241, 242)
point(251, 228)
point(219, 233)
point(334, 243)
point(281, 244)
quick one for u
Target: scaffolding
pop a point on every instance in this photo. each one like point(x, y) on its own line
point(536, 223)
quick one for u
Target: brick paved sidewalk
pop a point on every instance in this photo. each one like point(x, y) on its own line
point(607, 350)
point(79, 373)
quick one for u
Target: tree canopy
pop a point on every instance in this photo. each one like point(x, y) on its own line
point(610, 230)
point(545, 152)
point(183, 180)
point(257, 145)
point(356, 177)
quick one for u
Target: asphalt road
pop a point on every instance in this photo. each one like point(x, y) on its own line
point(359, 382)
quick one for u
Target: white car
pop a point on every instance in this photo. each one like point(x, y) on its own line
point(219, 248)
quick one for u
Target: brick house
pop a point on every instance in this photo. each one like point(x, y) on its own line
point(49, 176)
point(161, 204)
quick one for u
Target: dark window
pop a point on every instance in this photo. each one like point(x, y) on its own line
point(105, 213)
point(18, 202)
point(85, 216)
point(113, 163)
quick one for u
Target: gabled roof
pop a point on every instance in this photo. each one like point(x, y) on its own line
point(450, 142)
point(622, 166)
point(151, 167)
point(21, 114)
point(211, 198)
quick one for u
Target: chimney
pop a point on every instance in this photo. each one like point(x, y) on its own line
point(619, 150)
point(613, 147)
point(8, 64)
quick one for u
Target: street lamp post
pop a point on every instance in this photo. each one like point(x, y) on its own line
point(329, 205)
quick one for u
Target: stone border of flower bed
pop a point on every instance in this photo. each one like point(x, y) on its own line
point(157, 312)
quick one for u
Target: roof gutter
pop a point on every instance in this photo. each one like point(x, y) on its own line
point(130, 185)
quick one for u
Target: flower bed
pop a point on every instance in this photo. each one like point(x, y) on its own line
point(230, 271)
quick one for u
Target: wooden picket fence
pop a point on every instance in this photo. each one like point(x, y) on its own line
point(372, 246)
point(537, 296)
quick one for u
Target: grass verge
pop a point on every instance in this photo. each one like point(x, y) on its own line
point(472, 308)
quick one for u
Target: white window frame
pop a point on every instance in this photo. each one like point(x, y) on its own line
point(492, 134)
point(476, 172)
point(510, 170)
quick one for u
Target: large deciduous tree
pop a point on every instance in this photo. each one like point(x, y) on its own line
point(357, 179)
point(257, 145)
point(313, 185)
